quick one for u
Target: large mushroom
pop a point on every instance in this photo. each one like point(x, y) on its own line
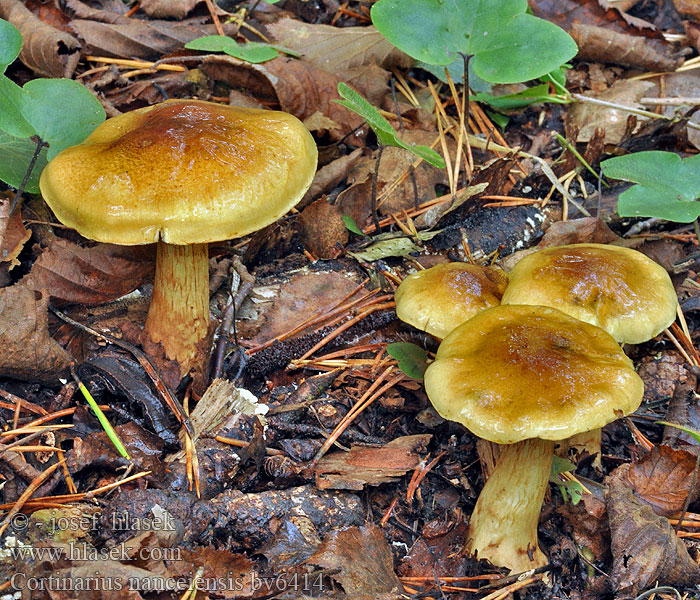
point(525, 377)
point(616, 288)
point(182, 173)
point(438, 299)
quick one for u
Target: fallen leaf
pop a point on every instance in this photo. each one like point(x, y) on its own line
point(688, 8)
point(229, 575)
point(28, 352)
point(323, 232)
point(301, 89)
point(45, 49)
point(646, 550)
point(329, 176)
point(586, 118)
point(587, 230)
point(167, 9)
point(13, 234)
point(282, 305)
point(365, 561)
point(442, 553)
point(600, 44)
point(661, 479)
point(132, 38)
point(89, 275)
point(335, 48)
point(96, 450)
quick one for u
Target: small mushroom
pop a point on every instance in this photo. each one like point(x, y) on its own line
point(438, 299)
point(618, 289)
point(182, 173)
point(525, 377)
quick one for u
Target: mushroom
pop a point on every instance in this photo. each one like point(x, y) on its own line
point(526, 376)
point(182, 173)
point(618, 289)
point(438, 299)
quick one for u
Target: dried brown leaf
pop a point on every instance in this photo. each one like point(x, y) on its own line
point(586, 118)
point(301, 88)
point(89, 276)
point(645, 548)
point(323, 232)
point(661, 479)
point(231, 574)
point(365, 561)
point(147, 40)
point(587, 230)
point(688, 8)
point(329, 176)
point(441, 553)
point(45, 49)
point(334, 48)
point(167, 9)
point(13, 234)
point(283, 305)
point(601, 44)
point(28, 352)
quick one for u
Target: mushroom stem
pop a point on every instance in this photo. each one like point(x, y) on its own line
point(178, 316)
point(586, 441)
point(503, 526)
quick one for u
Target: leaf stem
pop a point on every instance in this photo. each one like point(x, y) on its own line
point(18, 196)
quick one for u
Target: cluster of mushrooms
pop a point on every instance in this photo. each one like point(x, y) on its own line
point(533, 358)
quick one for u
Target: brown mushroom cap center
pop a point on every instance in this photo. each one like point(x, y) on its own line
point(590, 276)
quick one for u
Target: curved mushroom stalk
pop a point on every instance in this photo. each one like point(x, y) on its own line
point(503, 526)
point(178, 316)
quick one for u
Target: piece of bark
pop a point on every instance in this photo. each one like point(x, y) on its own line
point(370, 466)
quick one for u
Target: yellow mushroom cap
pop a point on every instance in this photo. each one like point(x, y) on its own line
point(513, 373)
point(184, 172)
point(440, 298)
point(616, 288)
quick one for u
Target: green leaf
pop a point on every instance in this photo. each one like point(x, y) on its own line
point(351, 225)
point(62, 112)
point(106, 425)
point(508, 45)
point(413, 360)
point(570, 490)
point(385, 245)
point(499, 119)
point(15, 155)
point(12, 99)
point(383, 130)
point(668, 185)
point(10, 44)
point(538, 93)
point(252, 52)
point(692, 432)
